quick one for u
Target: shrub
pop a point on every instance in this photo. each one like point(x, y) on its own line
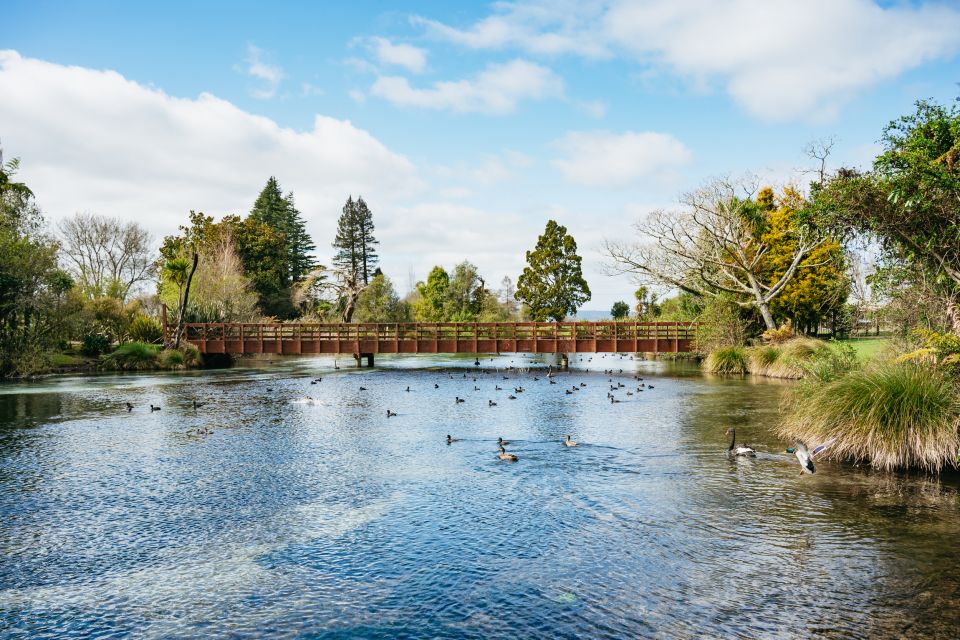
point(727, 360)
point(132, 356)
point(145, 329)
point(191, 355)
point(781, 335)
point(94, 344)
point(895, 415)
point(171, 359)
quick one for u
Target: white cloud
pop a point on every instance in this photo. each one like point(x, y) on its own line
point(411, 58)
point(269, 75)
point(93, 140)
point(606, 159)
point(495, 90)
point(550, 27)
point(780, 59)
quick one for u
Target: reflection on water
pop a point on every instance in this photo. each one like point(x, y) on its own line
point(309, 512)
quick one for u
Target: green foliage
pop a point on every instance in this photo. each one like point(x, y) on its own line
point(355, 242)
point(93, 344)
point(433, 296)
point(552, 285)
point(721, 324)
point(171, 359)
point(727, 360)
point(132, 356)
point(145, 329)
point(892, 415)
point(646, 303)
point(619, 310)
point(279, 214)
point(379, 302)
point(909, 201)
point(35, 300)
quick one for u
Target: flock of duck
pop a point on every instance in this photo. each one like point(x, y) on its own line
point(804, 456)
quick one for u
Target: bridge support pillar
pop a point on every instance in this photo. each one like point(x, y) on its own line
point(359, 357)
point(564, 361)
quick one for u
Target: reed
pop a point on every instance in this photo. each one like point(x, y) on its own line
point(727, 360)
point(893, 415)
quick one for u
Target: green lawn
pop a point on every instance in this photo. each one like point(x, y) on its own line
point(67, 360)
point(867, 348)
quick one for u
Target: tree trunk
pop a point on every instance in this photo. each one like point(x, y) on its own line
point(767, 316)
point(953, 313)
point(183, 303)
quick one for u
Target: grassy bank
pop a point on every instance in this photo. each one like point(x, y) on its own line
point(893, 415)
point(794, 359)
point(140, 356)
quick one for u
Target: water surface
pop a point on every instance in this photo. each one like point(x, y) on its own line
point(309, 513)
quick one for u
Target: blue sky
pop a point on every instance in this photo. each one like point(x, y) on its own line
point(465, 127)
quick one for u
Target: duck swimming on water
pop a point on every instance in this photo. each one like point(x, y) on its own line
point(742, 450)
point(570, 443)
point(509, 457)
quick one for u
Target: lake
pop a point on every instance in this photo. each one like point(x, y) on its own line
point(309, 513)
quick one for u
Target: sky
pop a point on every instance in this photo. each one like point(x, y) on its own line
point(464, 126)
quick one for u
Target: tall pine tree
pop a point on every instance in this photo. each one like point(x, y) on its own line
point(355, 242)
point(279, 213)
point(552, 284)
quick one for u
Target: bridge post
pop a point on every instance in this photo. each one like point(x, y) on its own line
point(564, 361)
point(359, 357)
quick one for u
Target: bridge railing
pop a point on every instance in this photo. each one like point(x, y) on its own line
point(442, 336)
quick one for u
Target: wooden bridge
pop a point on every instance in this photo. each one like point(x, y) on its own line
point(365, 340)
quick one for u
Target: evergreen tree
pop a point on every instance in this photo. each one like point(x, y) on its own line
point(279, 213)
point(368, 242)
point(355, 242)
point(619, 310)
point(552, 284)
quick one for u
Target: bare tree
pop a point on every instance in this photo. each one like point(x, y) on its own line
point(107, 256)
point(710, 248)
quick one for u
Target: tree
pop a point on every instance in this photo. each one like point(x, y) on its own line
point(619, 310)
point(33, 290)
point(714, 247)
point(910, 200)
point(106, 256)
point(646, 306)
point(552, 284)
point(279, 213)
point(433, 296)
point(379, 302)
point(355, 241)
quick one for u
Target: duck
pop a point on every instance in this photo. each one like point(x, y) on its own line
point(436, 386)
point(742, 450)
point(569, 393)
point(476, 388)
point(363, 388)
point(613, 400)
point(391, 414)
point(805, 457)
point(491, 403)
point(153, 408)
point(129, 407)
point(570, 443)
point(502, 442)
point(451, 439)
point(458, 400)
point(197, 405)
point(408, 389)
point(552, 381)
point(497, 387)
point(509, 457)
point(583, 384)
point(511, 397)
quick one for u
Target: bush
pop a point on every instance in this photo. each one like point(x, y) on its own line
point(895, 415)
point(132, 356)
point(762, 359)
point(781, 335)
point(187, 356)
point(94, 344)
point(171, 359)
point(727, 360)
point(145, 329)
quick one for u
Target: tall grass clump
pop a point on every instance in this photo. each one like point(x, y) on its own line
point(172, 359)
point(795, 357)
point(145, 329)
point(727, 360)
point(762, 359)
point(132, 356)
point(894, 415)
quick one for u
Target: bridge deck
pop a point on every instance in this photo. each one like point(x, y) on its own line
point(464, 337)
